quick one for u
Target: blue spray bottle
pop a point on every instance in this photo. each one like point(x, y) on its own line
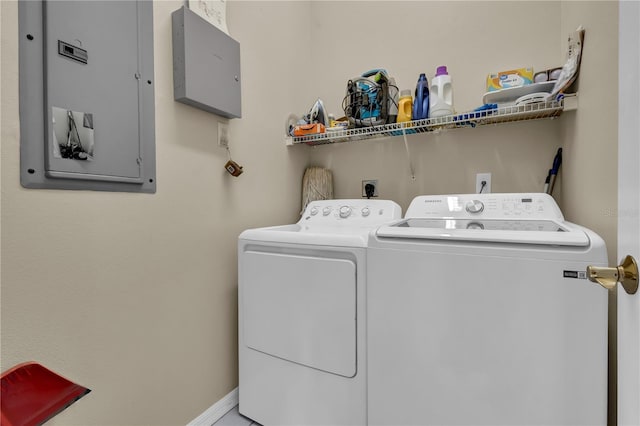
point(421, 101)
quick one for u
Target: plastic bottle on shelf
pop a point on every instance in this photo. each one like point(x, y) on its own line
point(421, 102)
point(441, 100)
point(405, 106)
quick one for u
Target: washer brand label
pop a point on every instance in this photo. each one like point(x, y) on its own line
point(432, 201)
point(575, 274)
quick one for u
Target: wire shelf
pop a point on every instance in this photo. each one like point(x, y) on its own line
point(536, 111)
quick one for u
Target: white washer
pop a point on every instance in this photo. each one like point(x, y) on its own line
point(301, 302)
point(480, 313)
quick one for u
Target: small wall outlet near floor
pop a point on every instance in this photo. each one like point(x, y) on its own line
point(370, 188)
point(486, 187)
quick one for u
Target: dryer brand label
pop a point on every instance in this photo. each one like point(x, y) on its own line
point(575, 274)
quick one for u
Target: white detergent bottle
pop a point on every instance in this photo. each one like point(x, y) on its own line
point(441, 101)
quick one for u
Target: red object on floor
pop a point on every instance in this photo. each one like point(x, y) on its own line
point(32, 394)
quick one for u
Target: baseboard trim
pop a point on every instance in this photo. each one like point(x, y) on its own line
point(217, 410)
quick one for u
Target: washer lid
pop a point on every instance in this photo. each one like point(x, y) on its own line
point(547, 232)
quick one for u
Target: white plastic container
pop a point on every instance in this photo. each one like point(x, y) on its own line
point(441, 96)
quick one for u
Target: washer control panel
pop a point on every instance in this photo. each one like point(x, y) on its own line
point(353, 212)
point(486, 206)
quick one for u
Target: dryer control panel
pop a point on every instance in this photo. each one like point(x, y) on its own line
point(352, 212)
point(486, 206)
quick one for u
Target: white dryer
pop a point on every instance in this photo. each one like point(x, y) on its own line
point(480, 313)
point(301, 302)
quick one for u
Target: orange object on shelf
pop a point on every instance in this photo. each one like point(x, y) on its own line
point(32, 394)
point(308, 129)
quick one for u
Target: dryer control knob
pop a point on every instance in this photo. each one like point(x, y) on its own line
point(326, 211)
point(345, 211)
point(474, 206)
point(314, 211)
point(365, 211)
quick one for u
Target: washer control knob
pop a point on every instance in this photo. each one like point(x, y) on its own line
point(365, 211)
point(326, 211)
point(314, 211)
point(474, 206)
point(345, 211)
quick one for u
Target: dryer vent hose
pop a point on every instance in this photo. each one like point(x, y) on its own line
point(317, 184)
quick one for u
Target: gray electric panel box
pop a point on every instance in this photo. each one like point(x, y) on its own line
point(87, 95)
point(206, 65)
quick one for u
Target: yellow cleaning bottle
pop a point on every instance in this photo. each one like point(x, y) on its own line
point(404, 106)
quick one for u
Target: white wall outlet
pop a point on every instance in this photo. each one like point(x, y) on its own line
point(373, 182)
point(223, 135)
point(486, 188)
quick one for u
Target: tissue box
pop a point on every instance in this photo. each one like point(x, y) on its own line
point(511, 78)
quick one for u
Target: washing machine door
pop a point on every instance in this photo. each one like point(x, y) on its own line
point(301, 308)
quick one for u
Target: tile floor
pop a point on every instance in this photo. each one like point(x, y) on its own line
point(234, 418)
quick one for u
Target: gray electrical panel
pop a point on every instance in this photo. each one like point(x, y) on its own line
point(206, 65)
point(87, 117)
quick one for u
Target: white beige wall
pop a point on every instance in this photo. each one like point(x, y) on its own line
point(133, 295)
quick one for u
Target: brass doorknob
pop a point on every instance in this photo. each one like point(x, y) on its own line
point(626, 274)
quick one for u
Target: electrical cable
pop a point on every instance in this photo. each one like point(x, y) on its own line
point(364, 93)
point(391, 97)
point(482, 185)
